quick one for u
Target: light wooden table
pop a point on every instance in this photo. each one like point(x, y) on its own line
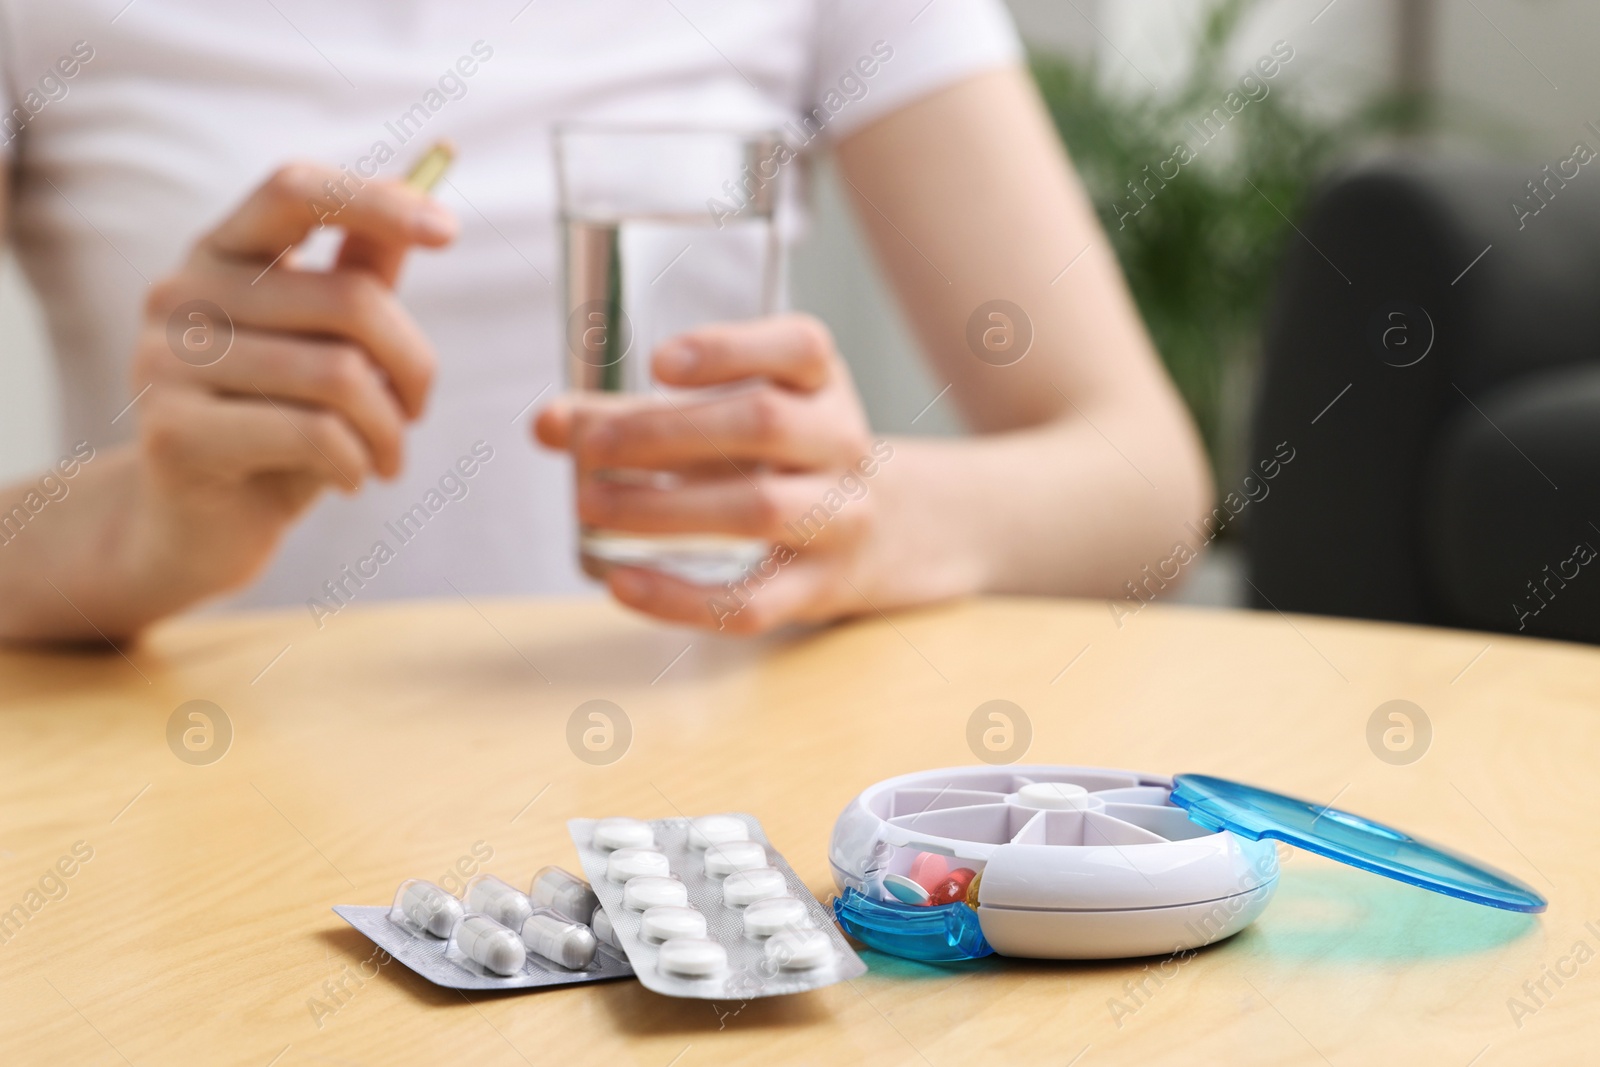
point(395, 741)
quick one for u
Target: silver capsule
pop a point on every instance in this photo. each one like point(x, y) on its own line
point(425, 906)
point(600, 923)
point(559, 939)
point(563, 893)
point(490, 945)
point(495, 898)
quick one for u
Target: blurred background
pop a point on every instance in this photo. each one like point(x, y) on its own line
point(1502, 83)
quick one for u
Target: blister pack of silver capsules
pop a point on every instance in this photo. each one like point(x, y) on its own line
point(494, 936)
point(705, 907)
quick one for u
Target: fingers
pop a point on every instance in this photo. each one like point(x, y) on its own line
point(197, 436)
point(348, 305)
point(763, 424)
point(331, 375)
point(790, 508)
point(758, 605)
point(793, 351)
point(552, 426)
point(301, 197)
point(554, 423)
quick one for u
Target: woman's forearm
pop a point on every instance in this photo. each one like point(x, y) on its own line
point(90, 558)
point(1077, 507)
point(62, 573)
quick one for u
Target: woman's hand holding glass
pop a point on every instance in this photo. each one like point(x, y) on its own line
point(786, 458)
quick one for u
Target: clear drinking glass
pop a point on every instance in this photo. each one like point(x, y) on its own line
point(663, 229)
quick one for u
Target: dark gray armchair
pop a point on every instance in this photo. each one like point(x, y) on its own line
point(1433, 357)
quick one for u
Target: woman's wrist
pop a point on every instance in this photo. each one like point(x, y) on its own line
point(924, 544)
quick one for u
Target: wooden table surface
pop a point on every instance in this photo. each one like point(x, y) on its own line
point(397, 741)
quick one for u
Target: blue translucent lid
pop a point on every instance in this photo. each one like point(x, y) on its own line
point(1219, 804)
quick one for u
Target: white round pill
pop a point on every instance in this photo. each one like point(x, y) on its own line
point(665, 922)
point(649, 891)
point(692, 956)
point(798, 950)
point(766, 917)
point(906, 890)
point(722, 860)
point(716, 829)
point(623, 833)
point(626, 863)
point(746, 887)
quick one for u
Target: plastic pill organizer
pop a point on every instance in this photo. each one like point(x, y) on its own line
point(1090, 863)
point(706, 908)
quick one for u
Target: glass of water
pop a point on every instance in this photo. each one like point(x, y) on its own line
point(664, 229)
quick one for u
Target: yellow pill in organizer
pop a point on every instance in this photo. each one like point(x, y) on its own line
point(503, 903)
point(767, 917)
point(626, 863)
point(648, 891)
point(619, 832)
point(564, 893)
point(692, 957)
point(743, 888)
point(722, 860)
point(488, 944)
point(666, 922)
point(710, 830)
point(799, 950)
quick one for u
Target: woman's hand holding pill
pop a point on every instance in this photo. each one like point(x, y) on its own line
point(259, 384)
point(788, 458)
point(324, 370)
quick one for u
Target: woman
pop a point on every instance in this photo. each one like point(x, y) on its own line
point(138, 130)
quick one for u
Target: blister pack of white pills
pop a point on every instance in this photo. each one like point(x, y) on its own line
point(494, 936)
point(706, 907)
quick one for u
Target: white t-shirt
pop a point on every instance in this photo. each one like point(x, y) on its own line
point(133, 127)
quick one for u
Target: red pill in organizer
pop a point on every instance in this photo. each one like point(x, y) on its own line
point(953, 888)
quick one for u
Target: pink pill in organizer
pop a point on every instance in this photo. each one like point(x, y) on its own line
point(929, 869)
